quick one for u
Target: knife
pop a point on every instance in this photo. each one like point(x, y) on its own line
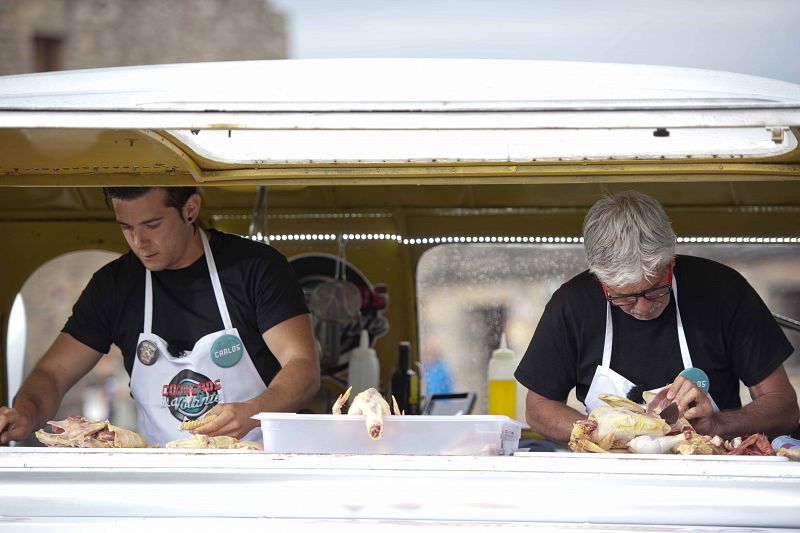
point(670, 413)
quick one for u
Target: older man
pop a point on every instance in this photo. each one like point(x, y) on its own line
point(640, 315)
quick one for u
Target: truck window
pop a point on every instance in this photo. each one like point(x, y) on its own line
point(469, 294)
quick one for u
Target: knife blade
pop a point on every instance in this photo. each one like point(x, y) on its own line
point(670, 413)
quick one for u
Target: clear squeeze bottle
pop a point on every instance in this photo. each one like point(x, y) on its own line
point(502, 385)
point(363, 369)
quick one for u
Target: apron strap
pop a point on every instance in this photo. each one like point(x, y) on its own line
point(687, 359)
point(148, 302)
point(609, 339)
point(212, 270)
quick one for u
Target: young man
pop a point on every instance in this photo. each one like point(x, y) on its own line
point(640, 316)
point(207, 322)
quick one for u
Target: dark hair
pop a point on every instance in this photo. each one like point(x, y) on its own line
point(175, 196)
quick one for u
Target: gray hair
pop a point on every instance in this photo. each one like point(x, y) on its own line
point(628, 238)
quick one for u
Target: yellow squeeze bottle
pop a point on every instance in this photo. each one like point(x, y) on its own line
point(502, 385)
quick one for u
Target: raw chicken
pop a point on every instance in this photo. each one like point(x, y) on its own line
point(656, 444)
point(369, 403)
point(78, 432)
point(222, 442)
point(614, 425)
point(625, 424)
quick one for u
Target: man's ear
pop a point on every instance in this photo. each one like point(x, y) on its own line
point(191, 209)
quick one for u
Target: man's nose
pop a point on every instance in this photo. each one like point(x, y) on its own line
point(643, 305)
point(138, 238)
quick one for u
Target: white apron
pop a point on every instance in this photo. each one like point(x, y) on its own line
point(169, 390)
point(607, 381)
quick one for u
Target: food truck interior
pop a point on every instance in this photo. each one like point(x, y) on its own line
point(456, 206)
point(448, 197)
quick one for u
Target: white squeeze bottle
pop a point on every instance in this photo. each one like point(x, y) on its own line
point(363, 370)
point(502, 385)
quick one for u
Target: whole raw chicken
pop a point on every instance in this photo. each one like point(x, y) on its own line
point(614, 425)
point(78, 432)
point(369, 403)
point(626, 425)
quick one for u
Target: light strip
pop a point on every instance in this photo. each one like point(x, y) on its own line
point(328, 237)
point(502, 239)
point(740, 240)
point(492, 239)
point(303, 216)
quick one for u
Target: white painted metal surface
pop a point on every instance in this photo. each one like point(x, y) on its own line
point(391, 85)
point(395, 93)
point(418, 110)
point(41, 485)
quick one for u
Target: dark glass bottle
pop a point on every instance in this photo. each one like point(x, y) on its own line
point(404, 384)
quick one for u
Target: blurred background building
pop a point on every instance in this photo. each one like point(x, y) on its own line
point(45, 35)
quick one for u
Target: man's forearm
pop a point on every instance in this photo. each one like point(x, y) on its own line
point(772, 414)
point(553, 420)
point(291, 388)
point(38, 398)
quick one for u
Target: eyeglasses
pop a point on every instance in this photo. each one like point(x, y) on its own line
point(651, 294)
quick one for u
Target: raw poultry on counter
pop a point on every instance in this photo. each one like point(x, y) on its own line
point(369, 403)
point(625, 426)
point(78, 432)
point(222, 442)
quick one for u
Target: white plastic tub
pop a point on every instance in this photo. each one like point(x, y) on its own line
point(402, 435)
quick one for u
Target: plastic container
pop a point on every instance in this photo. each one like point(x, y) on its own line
point(502, 385)
point(785, 441)
point(363, 369)
point(402, 435)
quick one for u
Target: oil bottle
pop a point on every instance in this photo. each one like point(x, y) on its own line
point(502, 385)
point(404, 385)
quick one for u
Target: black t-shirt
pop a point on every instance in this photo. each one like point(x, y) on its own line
point(731, 335)
point(259, 285)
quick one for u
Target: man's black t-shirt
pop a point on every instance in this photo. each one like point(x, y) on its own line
point(258, 283)
point(730, 332)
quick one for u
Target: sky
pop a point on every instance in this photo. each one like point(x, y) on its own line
point(759, 37)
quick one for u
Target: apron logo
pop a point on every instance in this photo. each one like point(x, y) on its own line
point(191, 395)
point(227, 351)
point(147, 352)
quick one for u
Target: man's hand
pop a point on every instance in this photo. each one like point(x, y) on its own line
point(233, 420)
point(694, 404)
point(292, 342)
point(14, 425)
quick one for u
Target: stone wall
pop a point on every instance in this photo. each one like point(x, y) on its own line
point(104, 33)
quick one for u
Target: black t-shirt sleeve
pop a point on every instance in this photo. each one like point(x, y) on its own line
point(549, 365)
point(755, 341)
point(277, 293)
point(92, 315)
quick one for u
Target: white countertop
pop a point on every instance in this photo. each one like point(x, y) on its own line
point(44, 486)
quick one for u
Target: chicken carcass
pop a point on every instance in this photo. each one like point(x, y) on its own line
point(222, 442)
point(755, 444)
point(656, 444)
point(369, 403)
point(78, 432)
point(614, 426)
